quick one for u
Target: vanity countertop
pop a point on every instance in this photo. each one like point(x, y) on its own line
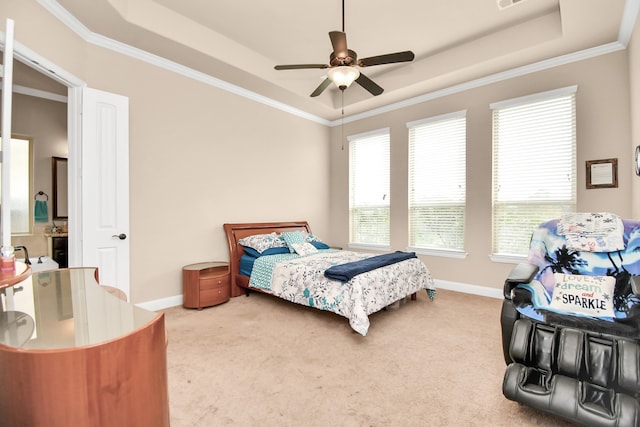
point(56, 234)
point(66, 309)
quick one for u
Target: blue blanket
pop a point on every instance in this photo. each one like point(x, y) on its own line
point(345, 272)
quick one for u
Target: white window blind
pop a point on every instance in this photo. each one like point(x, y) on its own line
point(534, 166)
point(437, 182)
point(369, 198)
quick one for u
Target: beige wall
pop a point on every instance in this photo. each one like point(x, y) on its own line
point(603, 131)
point(199, 156)
point(206, 157)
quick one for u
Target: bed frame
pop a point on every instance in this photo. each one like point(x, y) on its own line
point(235, 232)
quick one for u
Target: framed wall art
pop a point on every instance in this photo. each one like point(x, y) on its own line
point(602, 173)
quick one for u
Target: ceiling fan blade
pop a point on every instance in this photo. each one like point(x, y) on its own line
point(300, 66)
point(389, 58)
point(325, 83)
point(339, 43)
point(369, 85)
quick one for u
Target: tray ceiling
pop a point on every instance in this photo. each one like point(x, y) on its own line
point(454, 41)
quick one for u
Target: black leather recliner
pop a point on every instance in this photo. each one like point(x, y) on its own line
point(581, 367)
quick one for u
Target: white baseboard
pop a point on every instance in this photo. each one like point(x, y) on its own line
point(163, 303)
point(469, 289)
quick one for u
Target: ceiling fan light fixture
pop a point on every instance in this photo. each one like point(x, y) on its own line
point(343, 76)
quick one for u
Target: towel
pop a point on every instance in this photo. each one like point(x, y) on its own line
point(345, 272)
point(40, 211)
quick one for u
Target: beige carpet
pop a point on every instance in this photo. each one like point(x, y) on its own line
point(260, 361)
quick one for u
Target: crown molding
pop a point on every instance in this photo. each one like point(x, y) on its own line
point(82, 31)
point(487, 80)
point(628, 22)
point(24, 90)
point(630, 13)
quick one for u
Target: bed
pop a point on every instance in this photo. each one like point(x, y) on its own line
point(265, 264)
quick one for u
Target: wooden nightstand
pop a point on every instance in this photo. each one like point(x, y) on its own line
point(205, 284)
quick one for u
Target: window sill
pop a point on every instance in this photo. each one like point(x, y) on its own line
point(446, 253)
point(508, 259)
point(367, 247)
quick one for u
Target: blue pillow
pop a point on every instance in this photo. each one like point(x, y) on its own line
point(271, 251)
point(274, 251)
point(319, 245)
point(251, 252)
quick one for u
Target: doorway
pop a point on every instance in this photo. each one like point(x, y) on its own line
point(39, 113)
point(97, 123)
point(51, 88)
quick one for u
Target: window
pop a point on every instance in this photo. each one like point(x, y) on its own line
point(20, 185)
point(437, 182)
point(369, 200)
point(534, 165)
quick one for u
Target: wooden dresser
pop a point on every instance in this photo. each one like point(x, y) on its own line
point(73, 354)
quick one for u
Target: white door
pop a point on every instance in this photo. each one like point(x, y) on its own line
point(104, 186)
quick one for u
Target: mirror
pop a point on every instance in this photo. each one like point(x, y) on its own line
point(59, 184)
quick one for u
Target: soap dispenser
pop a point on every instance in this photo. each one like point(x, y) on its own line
point(7, 259)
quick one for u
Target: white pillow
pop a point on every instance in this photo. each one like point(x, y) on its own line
point(586, 295)
point(304, 248)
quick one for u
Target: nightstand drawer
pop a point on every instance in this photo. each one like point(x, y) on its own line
point(215, 296)
point(215, 282)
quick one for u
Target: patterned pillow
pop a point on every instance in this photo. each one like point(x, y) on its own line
point(586, 295)
point(293, 237)
point(262, 242)
point(305, 248)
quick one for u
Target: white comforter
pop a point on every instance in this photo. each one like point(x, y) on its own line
point(301, 279)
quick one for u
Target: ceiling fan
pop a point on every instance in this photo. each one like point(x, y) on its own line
point(343, 62)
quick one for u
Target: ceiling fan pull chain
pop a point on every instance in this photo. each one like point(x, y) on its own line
point(342, 122)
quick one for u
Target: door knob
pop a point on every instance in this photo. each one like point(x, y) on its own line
point(120, 236)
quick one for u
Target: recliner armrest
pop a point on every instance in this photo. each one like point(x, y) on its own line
point(635, 285)
point(521, 273)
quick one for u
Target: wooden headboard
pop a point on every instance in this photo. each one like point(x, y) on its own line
point(236, 232)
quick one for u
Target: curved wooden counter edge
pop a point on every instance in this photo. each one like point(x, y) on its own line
point(21, 272)
point(122, 381)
